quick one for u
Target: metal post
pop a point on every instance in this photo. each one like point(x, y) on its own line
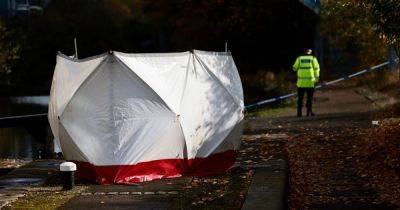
point(226, 46)
point(67, 170)
point(76, 49)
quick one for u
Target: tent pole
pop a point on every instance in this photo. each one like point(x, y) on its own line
point(76, 49)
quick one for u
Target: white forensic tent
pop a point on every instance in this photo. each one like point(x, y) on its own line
point(127, 118)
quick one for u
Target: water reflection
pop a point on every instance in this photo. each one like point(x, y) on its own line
point(22, 105)
point(17, 142)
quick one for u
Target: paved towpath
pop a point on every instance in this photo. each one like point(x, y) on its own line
point(274, 150)
point(262, 152)
point(321, 173)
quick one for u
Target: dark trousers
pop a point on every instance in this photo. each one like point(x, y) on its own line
point(300, 96)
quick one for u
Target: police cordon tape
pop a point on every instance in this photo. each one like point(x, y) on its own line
point(279, 98)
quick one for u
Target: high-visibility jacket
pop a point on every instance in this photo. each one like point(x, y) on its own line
point(307, 69)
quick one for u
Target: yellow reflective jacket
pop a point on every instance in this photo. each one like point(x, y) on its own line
point(307, 69)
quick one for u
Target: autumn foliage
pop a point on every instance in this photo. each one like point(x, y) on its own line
point(353, 40)
point(260, 34)
point(379, 162)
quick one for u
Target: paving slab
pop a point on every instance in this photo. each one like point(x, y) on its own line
point(152, 186)
point(131, 202)
point(268, 187)
point(153, 195)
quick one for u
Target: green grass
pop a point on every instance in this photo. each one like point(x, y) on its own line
point(270, 111)
point(45, 200)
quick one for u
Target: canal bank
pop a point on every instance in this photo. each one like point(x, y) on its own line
point(25, 177)
point(25, 140)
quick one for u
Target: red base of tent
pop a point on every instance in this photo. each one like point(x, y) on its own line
point(157, 169)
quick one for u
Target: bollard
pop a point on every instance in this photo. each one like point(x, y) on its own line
point(68, 175)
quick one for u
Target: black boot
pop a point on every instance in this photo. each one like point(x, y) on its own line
point(299, 112)
point(310, 113)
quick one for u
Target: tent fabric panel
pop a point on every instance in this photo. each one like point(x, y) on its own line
point(231, 141)
point(53, 116)
point(68, 144)
point(115, 110)
point(165, 74)
point(219, 130)
point(157, 169)
point(223, 67)
point(208, 112)
point(69, 76)
point(81, 60)
point(169, 144)
point(139, 117)
point(87, 116)
point(149, 139)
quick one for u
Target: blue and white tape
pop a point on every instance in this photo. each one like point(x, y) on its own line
point(279, 98)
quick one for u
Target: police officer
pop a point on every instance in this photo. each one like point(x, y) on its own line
point(307, 69)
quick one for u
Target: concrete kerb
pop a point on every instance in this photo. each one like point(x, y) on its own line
point(18, 182)
point(268, 189)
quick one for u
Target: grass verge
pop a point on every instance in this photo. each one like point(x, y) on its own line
point(45, 198)
point(271, 111)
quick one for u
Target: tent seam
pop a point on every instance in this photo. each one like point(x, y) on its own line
point(223, 139)
point(219, 81)
point(151, 54)
point(83, 82)
point(80, 60)
point(79, 149)
point(131, 70)
point(184, 86)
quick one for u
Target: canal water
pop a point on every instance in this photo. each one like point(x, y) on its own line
point(16, 142)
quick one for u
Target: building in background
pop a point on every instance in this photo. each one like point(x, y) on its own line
point(11, 8)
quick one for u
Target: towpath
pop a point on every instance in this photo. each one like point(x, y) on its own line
point(322, 167)
point(284, 162)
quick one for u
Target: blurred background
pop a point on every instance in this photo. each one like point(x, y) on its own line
point(264, 36)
